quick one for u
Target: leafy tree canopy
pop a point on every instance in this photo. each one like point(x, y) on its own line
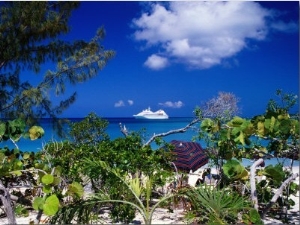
point(30, 36)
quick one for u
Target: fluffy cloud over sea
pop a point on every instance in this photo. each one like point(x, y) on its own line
point(121, 103)
point(169, 104)
point(203, 34)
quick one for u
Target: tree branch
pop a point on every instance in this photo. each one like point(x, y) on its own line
point(182, 130)
point(252, 182)
point(278, 193)
point(6, 201)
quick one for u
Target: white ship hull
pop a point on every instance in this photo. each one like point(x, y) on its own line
point(151, 117)
point(148, 114)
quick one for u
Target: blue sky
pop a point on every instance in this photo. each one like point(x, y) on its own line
point(176, 55)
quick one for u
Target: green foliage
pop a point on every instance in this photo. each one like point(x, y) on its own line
point(21, 211)
point(252, 217)
point(126, 155)
point(234, 170)
point(217, 206)
point(31, 35)
point(36, 132)
point(272, 134)
point(18, 168)
point(90, 131)
point(275, 173)
point(135, 192)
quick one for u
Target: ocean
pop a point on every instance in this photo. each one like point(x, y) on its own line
point(151, 127)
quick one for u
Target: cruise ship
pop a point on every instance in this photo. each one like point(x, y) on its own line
point(148, 114)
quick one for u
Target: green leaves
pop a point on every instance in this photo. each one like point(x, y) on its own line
point(36, 132)
point(276, 173)
point(75, 189)
point(47, 179)
point(50, 205)
point(38, 203)
point(234, 170)
point(12, 129)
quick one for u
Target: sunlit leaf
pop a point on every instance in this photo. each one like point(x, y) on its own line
point(47, 179)
point(38, 203)
point(36, 132)
point(51, 205)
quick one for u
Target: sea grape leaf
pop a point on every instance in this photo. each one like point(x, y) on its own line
point(56, 181)
point(236, 122)
point(240, 138)
point(58, 170)
point(38, 203)
point(233, 169)
point(206, 125)
point(276, 173)
point(51, 205)
point(47, 189)
point(26, 156)
point(47, 179)
point(36, 132)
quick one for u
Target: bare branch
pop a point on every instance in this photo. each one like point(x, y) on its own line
point(278, 193)
point(252, 182)
point(182, 130)
point(6, 201)
point(123, 130)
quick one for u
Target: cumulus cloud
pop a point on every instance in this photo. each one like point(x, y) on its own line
point(156, 62)
point(120, 103)
point(130, 102)
point(203, 34)
point(170, 104)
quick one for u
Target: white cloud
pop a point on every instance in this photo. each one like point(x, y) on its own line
point(202, 34)
point(289, 27)
point(156, 62)
point(130, 102)
point(120, 103)
point(170, 104)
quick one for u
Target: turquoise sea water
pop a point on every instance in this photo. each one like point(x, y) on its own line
point(113, 130)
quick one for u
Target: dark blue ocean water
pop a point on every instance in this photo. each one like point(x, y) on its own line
point(113, 130)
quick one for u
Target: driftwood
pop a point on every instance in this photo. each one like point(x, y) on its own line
point(181, 130)
point(6, 201)
point(124, 131)
point(278, 193)
point(252, 182)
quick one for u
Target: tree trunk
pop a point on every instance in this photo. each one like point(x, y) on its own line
point(253, 183)
point(278, 193)
point(6, 201)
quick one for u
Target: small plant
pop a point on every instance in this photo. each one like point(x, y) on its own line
point(218, 206)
